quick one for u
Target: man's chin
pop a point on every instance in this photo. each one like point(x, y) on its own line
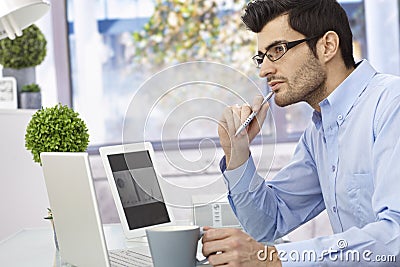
point(285, 104)
point(281, 103)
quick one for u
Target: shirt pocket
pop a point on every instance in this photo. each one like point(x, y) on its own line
point(360, 188)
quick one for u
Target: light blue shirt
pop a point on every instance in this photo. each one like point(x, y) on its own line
point(347, 162)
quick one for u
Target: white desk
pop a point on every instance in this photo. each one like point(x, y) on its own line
point(35, 247)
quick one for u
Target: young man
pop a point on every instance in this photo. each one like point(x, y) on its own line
point(347, 161)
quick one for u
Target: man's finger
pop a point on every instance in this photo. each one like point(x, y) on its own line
point(219, 233)
point(228, 118)
point(257, 102)
point(245, 112)
point(236, 110)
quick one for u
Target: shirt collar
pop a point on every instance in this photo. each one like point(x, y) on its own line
point(342, 99)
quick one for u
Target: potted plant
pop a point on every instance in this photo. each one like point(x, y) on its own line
point(55, 129)
point(20, 56)
point(31, 97)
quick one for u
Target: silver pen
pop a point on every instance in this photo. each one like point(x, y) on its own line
point(253, 115)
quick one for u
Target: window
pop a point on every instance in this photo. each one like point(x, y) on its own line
point(116, 47)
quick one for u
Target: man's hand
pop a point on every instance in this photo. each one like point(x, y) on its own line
point(233, 247)
point(236, 149)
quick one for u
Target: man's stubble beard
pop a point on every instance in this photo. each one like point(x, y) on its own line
point(308, 85)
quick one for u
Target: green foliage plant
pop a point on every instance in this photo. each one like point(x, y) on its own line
point(26, 51)
point(56, 129)
point(178, 30)
point(187, 30)
point(30, 88)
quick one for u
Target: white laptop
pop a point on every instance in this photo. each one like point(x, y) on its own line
point(76, 215)
point(136, 187)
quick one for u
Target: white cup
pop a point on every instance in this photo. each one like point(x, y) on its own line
point(174, 245)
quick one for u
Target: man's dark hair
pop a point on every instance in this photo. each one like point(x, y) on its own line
point(309, 17)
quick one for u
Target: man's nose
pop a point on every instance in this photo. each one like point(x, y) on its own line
point(267, 68)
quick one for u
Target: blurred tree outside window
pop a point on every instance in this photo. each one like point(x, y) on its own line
point(181, 31)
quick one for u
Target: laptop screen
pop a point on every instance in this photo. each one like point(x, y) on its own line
point(138, 189)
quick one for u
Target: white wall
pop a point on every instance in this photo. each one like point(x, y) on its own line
point(23, 195)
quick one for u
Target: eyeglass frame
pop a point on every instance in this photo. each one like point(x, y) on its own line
point(288, 45)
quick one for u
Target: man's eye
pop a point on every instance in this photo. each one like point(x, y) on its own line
point(278, 49)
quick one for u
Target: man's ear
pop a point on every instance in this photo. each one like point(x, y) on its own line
point(328, 46)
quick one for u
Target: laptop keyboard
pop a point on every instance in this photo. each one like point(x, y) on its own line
point(126, 257)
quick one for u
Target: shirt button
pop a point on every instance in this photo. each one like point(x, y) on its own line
point(340, 117)
point(333, 168)
point(334, 209)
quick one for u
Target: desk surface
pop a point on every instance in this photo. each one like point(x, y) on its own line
point(29, 246)
point(35, 247)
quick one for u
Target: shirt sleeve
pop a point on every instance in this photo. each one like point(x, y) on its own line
point(268, 210)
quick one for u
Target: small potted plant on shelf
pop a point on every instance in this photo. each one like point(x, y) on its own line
point(31, 97)
point(55, 129)
point(20, 56)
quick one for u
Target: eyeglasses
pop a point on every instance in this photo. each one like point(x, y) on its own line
point(277, 51)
